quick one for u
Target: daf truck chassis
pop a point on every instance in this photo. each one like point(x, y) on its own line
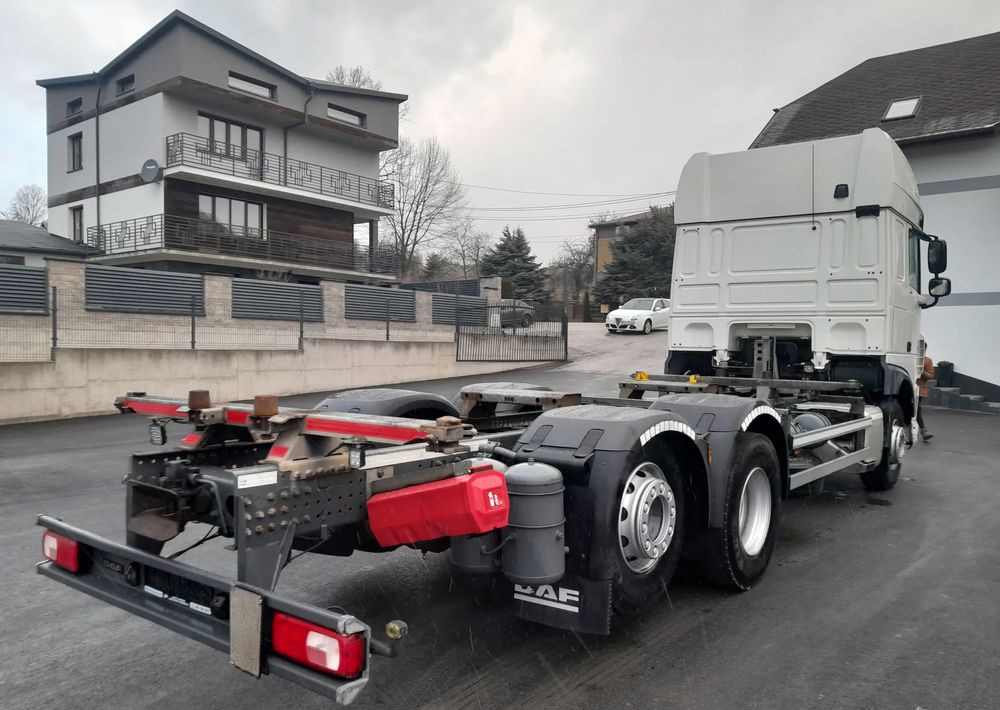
point(582, 506)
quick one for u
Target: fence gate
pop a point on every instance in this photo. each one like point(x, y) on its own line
point(509, 331)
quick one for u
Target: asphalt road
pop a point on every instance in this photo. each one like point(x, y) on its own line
point(873, 602)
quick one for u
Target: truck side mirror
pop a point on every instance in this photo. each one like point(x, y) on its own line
point(937, 256)
point(939, 287)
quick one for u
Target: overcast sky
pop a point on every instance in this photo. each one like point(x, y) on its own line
point(586, 97)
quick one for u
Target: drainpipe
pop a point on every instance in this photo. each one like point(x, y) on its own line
point(305, 120)
point(97, 159)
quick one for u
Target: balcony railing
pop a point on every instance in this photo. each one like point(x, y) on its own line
point(219, 157)
point(168, 232)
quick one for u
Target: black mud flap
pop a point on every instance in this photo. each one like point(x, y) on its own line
point(574, 603)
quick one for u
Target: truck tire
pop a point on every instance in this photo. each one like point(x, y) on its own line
point(649, 532)
point(736, 555)
point(884, 476)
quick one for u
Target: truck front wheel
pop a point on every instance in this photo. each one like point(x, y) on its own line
point(649, 532)
point(736, 555)
point(894, 443)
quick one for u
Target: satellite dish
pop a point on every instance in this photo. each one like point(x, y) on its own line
point(150, 171)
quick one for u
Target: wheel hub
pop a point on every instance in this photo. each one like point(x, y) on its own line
point(646, 517)
point(755, 511)
point(897, 444)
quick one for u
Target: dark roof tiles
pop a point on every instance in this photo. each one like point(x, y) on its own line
point(958, 82)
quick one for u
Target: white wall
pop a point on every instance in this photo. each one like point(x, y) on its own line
point(969, 219)
point(61, 181)
point(136, 202)
point(129, 136)
point(59, 222)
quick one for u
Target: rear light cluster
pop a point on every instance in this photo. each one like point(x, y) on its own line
point(61, 550)
point(316, 647)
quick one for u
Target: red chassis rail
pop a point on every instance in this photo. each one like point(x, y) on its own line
point(360, 427)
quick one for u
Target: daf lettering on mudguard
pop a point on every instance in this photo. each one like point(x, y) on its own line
point(549, 595)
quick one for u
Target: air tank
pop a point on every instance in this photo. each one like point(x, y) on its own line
point(533, 543)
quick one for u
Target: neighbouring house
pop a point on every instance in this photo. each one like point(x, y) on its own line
point(190, 152)
point(24, 245)
point(606, 233)
point(942, 106)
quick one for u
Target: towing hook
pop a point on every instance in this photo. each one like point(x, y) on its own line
point(396, 631)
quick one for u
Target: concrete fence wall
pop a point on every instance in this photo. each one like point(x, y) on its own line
point(108, 354)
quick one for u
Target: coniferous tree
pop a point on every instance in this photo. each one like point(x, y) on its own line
point(512, 259)
point(642, 260)
point(436, 267)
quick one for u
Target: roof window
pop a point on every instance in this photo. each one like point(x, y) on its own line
point(902, 108)
point(251, 86)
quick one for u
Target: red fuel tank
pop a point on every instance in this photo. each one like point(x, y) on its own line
point(463, 505)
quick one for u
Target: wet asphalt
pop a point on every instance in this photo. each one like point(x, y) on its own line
point(871, 601)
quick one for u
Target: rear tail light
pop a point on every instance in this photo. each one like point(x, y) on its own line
point(61, 550)
point(317, 647)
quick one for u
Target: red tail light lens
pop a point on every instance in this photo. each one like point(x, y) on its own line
point(61, 550)
point(317, 647)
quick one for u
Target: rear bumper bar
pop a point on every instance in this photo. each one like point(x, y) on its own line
point(196, 604)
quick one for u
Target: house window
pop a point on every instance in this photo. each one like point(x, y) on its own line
point(74, 107)
point(236, 216)
point(125, 85)
point(11, 259)
point(345, 115)
point(231, 139)
point(902, 108)
point(75, 153)
point(251, 86)
point(76, 221)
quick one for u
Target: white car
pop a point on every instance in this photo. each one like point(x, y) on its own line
point(640, 315)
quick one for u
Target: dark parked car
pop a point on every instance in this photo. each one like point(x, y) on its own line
point(516, 313)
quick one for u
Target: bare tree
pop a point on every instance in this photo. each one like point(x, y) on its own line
point(28, 205)
point(577, 258)
point(430, 199)
point(360, 78)
point(468, 246)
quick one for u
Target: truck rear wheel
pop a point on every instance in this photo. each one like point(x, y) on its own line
point(736, 555)
point(649, 532)
point(894, 443)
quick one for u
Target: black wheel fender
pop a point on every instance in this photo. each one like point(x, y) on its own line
point(388, 402)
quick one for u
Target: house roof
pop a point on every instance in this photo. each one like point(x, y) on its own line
point(958, 84)
point(178, 17)
point(626, 220)
point(21, 237)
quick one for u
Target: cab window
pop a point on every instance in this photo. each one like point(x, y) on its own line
point(913, 262)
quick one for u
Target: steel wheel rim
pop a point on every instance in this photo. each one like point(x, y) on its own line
point(755, 511)
point(897, 444)
point(647, 514)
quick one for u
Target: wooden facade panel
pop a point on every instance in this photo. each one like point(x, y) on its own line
point(181, 200)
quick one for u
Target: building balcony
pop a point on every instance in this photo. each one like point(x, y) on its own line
point(218, 244)
point(186, 150)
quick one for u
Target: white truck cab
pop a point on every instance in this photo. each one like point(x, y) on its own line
point(815, 244)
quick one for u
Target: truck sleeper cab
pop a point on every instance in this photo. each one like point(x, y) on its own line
point(817, 245)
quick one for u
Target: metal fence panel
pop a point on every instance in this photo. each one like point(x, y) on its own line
point(462, 287)
point(510, 337)
point(472, 309)
point(269, 300)
point(24, 289)
point(123, 290)
point(374, 302)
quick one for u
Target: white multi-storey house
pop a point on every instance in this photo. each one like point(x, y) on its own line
point(191, 152)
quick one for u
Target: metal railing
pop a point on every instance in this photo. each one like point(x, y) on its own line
point(510, 331)
point(198, 152)
point(169, 232)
